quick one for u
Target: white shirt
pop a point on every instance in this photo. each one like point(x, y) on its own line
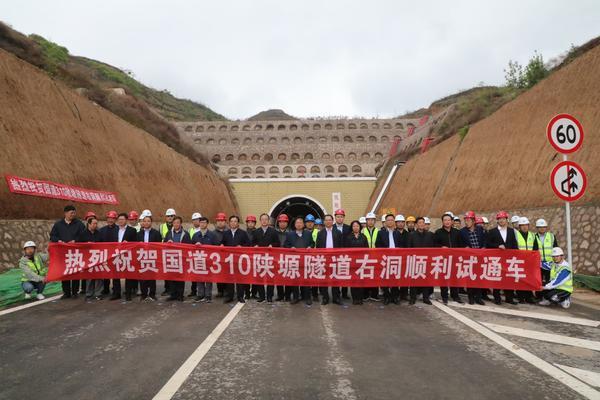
point(503, 232)
point(146, 235)
point(340, 228)
point(391, 236)
point(329, 240)
point(122, 233)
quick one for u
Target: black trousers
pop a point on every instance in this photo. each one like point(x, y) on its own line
point(403, 293)
point(194, 288)
point(221, 288)
point(271, 292)
point(83, 286)
point(391, 293)
point(231, 289)
point(259, 291)
point(315, 292)
point(453, 292)
point(357, 293)
point(426, 290)
point(106, 286)
point(345, 292)
point(116, 287)
point(335, 292)
point(474, 294)
point(70, 288)
point(295, 291)
point(177, 288)
point(167, 288)
point(509, 295)
point(148, 288)
point(131, 287)
point(371, 292)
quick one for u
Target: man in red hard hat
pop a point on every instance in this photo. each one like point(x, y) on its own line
point(132, 219)
point(220, 227)
point(502, 237)
point(473, 237)
point(89, 214)
point(108, 233)
point(252, 290)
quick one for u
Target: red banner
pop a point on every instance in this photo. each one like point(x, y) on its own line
point(34, 187)
point(501, 269)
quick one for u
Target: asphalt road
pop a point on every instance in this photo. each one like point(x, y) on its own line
point(70, 349)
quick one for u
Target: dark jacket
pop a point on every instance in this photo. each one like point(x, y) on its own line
point(240, 238)
point(383, 239)
point(219, 236)
point(154, 235)
point(66, 232)
point(299, 242)
point(265, 238)
point(209, 238)
point(494, 239)
point(88, 236)
point(421, 239)
point(356, 242)
point(109, 233)
point(281, 235)
point(336, 237)
point(185, 237)
point(345, 229)
point(129, 236)
point(444, 238)
point(481, 236)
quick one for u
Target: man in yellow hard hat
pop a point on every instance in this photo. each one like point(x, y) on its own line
point(410, 223)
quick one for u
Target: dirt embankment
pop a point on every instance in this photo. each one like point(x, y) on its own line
point(49, 132)
point(505, 160)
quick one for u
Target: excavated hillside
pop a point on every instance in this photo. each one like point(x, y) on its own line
point(49, 132)
point(505, 160)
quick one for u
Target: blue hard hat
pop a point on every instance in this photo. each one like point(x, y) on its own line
point(318, 221)
point(309, 217)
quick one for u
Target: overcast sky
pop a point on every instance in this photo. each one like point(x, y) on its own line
point(310, 58)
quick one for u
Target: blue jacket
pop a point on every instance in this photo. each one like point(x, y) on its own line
point(209, 238)
point(481, 236)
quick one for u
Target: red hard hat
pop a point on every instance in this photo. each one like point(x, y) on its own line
point(90, 214)
point(283, 217)
point(502, 214)
point(111, 214)
point(470, 214)
point(133, 215)
point(221, 217)
point(251, 218)
point(340, 212)
point(478, 220)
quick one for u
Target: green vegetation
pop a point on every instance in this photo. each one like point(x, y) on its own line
point(462, 132)
point(519, 77)
point(54, 54)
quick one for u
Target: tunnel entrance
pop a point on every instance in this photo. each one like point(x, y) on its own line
point(297, 206)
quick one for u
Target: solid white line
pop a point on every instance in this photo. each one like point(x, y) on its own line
point(590, 377)
point(530, 314)
point(568, 380)
point(546, 337)
point(173, 384)
point(28, 305)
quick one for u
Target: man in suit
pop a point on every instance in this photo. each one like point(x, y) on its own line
point(123, 234)
point(474, 237)
point(177, 235)
point(390, 238)
point(329, 238)
point(420, 238)
point(265, 236)
point(449, 237)
point(299, 238)
point(147, 235)
point(340, 216)
point(235, 237)
point(108, 233)
point(502, 237)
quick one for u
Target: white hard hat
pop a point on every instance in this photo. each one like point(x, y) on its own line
point(362, 220)
point(541, 223)
point(523, 221)
point(196, 215)
point(485, 220)
point(557, 251)
point(399, 218)
point(371, 215)
point(450, 213)
point(426, 220)
point(170, 213)
point(514, 218)
point(29, 243)
point(145, 213)
point(383, 218)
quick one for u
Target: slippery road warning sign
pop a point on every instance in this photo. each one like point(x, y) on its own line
point(568, 180)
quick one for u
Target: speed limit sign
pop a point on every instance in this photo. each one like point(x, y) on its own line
point(565, 133)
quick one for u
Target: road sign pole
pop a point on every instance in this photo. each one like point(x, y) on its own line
point(568, 224)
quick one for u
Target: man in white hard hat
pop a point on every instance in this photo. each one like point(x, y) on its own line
point(403, 234)
point(486, 223)
point(192, 231)
point(427, 223)
point(371, 232)
point(165, 228)
point(525, 241)
point(363, 222)
point(514, 221)
point(560, 287)
point(34, 268)
point(546, 242)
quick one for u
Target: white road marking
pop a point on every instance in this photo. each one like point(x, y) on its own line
point(28, 305)
point(530, 314)
point(173, 384)
point(546, 337)
point(580, 387)
point(590, 377)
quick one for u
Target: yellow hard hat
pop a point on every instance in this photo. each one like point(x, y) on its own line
point(411, 219)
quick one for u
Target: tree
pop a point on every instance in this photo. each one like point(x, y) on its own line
point(518, 77)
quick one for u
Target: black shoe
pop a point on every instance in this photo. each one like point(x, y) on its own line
point(445, 301)
point(279, 299)
point(324, 302)
point(269, 299)
point(471, 301)
point(309, 302)
point(241, 300)
point(115, 297)
point(191, 294)
point(427, 301)
point(260, 300)
point(529, 301)
point(497, 302)
point(228, 300)
point(345, 297)
point(171, 298)
point(65, 296)
point(74, 295)
point(337, 301)
point(513, 302)
point(396, 301)
point(458, 300)
point(295, 301)
point(386, 301)
point(315, 297)
point(486, 298)
point(411, 302)
point(127, 297)
point(480, 302)
point(165, 293)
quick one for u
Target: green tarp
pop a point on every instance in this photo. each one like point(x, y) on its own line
point(588, 281)
point(11, 291)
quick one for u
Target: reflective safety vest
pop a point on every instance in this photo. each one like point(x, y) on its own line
point(371, 239)
point(545, 247)
point(37, 266)
point(164, 229)
point(315, 232)
point(525, 245)
point(567, 286)
point(192, 232)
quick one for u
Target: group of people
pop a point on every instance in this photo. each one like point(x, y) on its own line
point(306, 232)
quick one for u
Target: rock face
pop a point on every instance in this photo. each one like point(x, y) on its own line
point(49, 132)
